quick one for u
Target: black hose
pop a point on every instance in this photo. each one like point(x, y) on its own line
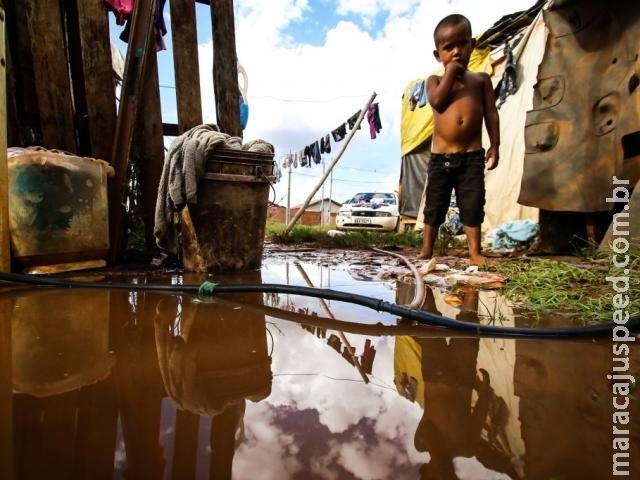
point(420, 316)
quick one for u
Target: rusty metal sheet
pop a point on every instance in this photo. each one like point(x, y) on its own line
point(584, 127)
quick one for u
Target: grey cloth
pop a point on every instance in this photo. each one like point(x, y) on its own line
point(184, 165)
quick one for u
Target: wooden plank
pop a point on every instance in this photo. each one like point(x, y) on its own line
point(10, 78)
point(5, 253)
point(97, 78)
point(53, 89)
point(185, 445)
point(148, 149)
point(21, 79)
point(6, 389)
point(186, 64)
point(97, 428)
point(225, 68)
point(140, 41)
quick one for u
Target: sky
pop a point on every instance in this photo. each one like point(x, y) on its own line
point(312, 64)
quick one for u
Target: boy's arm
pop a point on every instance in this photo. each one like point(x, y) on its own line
point(492, 122)
point(439, 88)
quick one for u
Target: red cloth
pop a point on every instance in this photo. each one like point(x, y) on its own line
point(121, 8)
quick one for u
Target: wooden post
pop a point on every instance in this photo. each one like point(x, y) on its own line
point(185, 62)
point(140, 40)
point(5, 254)
point(225, 68)
point(97, 78)
point(148, 149)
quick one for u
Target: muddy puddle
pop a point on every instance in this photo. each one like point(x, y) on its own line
point(120, 384)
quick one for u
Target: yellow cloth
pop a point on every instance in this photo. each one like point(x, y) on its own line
point(416, 125)
point(407, 359)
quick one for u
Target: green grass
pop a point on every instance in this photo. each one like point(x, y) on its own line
point(317, 237)
point(579, 290)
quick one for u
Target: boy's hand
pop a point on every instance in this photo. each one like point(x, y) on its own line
point(456, 68)
point(492, 157)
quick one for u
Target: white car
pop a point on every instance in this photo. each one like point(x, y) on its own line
point(369, 211)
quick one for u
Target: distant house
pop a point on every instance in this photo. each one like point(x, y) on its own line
point(318, 213)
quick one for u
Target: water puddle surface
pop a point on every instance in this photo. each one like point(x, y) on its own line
point(120, 384)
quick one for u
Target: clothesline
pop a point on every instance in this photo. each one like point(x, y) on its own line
point(312, 153)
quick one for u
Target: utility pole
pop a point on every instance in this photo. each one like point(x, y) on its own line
point(288, 215)
point(322, 199)
point(330, 195)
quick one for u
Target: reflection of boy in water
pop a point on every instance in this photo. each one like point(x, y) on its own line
point(449, 427)
point(449, 374)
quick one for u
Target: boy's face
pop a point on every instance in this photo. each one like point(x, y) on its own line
point(454, 44)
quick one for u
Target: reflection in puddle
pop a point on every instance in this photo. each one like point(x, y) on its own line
point(117, 384)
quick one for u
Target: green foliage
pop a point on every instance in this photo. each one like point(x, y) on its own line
point(580, 290)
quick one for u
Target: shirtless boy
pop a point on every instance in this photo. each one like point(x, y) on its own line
point(461, 100)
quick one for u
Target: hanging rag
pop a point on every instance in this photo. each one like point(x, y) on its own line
point(373, 117)
point(325, 145)
point(507, 84)
point(314, 151)
point(418, 95)
point(339, 133)
point(353, 119)
point(123, 10)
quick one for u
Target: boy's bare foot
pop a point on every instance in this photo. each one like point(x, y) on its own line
point(424, 255)
point(478, 260)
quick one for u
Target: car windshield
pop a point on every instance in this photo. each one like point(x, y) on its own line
point(374, 198)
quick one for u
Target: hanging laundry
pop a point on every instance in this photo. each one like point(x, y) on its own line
point(305, 156)
point(507, 84)
point(353, 119)
point(314, 151)
point(325, 145)
point(339, 133)
point(123, 10)
point(418, 95)
point(373, 117)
